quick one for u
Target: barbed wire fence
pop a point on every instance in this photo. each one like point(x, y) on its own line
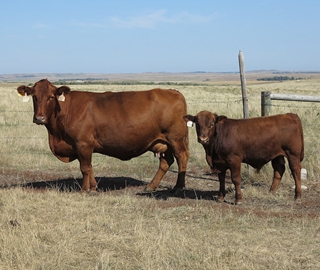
point(9, 135)
point(17, 129)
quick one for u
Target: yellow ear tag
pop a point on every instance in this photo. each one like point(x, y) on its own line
point(25, 98)
point(62, 98)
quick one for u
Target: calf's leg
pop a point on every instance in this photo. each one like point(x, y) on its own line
point(278, 165)
point(236, 180)
point(295, 167)
point(222, 188)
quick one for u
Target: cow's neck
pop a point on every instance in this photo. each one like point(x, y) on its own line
point(55, 126)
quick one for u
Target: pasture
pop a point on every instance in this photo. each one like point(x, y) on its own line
point(47, 224)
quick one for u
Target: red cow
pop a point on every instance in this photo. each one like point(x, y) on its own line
point(122, 125)
point(255, 141)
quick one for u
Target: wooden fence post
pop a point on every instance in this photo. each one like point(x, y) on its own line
point(265, 103)
point(244, 95)
point(243, 85)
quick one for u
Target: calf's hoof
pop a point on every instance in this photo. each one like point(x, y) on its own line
point(298, 201)
point(238, 203)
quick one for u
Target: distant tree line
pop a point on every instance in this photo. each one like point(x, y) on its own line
point(279, 78)
point(107, 82)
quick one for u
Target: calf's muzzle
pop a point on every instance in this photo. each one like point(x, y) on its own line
point(203, 140)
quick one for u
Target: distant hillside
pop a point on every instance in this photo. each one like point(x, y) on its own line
point(198, 76)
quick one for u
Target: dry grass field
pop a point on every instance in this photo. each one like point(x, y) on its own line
point(47, 224)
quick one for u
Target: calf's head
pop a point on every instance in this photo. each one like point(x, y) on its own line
point(205, 125)
point(45, 99)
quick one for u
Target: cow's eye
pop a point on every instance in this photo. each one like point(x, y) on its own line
point(51, 98)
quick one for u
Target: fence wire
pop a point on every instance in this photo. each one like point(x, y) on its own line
point(43, 138)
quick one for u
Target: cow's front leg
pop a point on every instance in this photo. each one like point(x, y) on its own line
point(93, 182)
point(89, 183)
point(236, 180)
point(222, 188)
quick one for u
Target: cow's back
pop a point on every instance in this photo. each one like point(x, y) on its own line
point(260, 137)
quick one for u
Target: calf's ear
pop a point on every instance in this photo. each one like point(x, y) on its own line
point(189, 118)
point(23, 90)
point(62, 90)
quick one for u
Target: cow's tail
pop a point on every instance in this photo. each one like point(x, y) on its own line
point(302, 147)
point(301, 137)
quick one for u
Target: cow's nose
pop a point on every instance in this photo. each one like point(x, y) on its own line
point(38, 119)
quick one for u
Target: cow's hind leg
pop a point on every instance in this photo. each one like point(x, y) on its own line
point(279, 168)
point(166, 160)
point(295, 167)
point(181, 154)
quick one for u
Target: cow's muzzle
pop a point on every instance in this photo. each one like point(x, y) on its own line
point(203, 140)
point(39, 120)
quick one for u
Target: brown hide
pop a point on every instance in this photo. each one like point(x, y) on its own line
point(255, 141)
point(122, 125)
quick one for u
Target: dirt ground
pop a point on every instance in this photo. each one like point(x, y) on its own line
point(202, 188)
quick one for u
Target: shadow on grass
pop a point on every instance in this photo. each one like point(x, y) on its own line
point(118, 183)
point(72, 184)
point(182, 194)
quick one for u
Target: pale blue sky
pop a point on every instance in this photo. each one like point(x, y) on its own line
point(120, 36)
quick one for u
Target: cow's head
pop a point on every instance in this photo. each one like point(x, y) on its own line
point(45, 99)
point(205, 125)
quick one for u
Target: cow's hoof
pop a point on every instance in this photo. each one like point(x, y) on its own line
point(88, 191)
point(220, 200)
point(149, 189)
point(92, 192)
point(177, 190)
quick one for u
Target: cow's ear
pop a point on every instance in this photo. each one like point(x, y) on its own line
point(189, 117)
point(23, 90)
point(62, 90)
point(220, 118)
